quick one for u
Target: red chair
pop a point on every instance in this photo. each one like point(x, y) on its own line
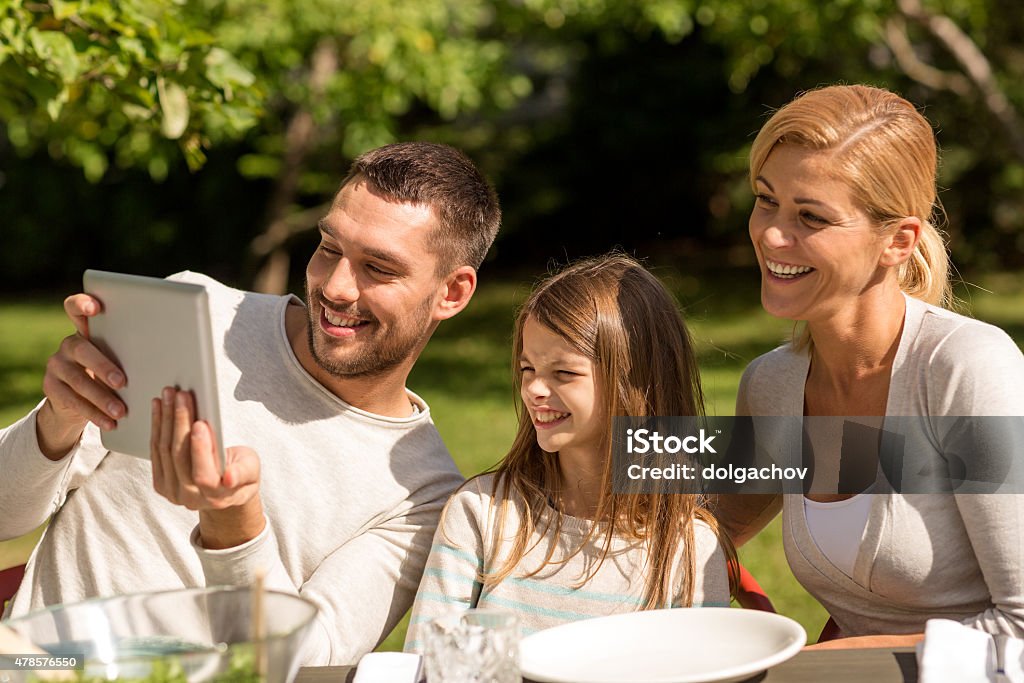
point(10, 579)
point(750, 595)
point(830, 632)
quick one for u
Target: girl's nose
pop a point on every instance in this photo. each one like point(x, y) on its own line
point(536, 388)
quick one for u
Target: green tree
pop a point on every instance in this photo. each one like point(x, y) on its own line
point(305, 86)
point(133, 81)
point(960, 60)
point(344, 75)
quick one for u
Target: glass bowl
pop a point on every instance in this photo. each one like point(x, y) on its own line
point(197, 635)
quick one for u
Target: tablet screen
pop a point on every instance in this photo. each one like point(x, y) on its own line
point(158, 332)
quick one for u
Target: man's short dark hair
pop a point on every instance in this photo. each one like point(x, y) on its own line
point(444, 179)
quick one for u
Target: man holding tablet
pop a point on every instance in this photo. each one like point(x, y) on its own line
point(338, 493)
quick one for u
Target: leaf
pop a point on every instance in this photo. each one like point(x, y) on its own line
point(102, 11)
point(168, 52)
point(53, 108)
point(225, 72)
point(136, 113)
point(174, 104)
point(62, 10)
point(192, 148)
point(43, 90)
point(195, 37)
point(13, 34)
point(56, 49)
point(133, 47)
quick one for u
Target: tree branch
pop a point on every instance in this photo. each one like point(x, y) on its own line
point(285, 227)
point(922, 72)
point(974, 64)
point(299, 137)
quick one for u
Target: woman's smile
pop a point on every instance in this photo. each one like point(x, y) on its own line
point(786, 271)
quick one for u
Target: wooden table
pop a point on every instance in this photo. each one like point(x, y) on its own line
point(881, 665)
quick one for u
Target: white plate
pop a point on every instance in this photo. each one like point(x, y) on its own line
point(662, 646)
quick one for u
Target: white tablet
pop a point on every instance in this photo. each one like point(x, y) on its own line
point(158, 332)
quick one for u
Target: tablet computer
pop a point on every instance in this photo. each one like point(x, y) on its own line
point(158, 332)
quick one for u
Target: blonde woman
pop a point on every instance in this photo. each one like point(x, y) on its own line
point(543, 534)
point(844, 179)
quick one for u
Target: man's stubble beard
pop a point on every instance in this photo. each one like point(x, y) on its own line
point(379, 355)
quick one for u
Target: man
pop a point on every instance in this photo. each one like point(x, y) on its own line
point(341, 502)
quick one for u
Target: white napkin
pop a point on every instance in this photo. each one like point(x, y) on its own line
point(954, 653)
point(1011, 657)
point(389, 667)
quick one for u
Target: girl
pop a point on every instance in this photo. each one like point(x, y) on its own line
point(543, 534)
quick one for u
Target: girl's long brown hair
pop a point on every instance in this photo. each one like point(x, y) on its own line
point(613, 310)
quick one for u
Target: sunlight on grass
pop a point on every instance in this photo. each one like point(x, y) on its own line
point(998, 298)
point(16, 551)
point(29, 334)
point(477, 433)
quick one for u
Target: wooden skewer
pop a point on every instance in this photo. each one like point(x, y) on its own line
point(259, 627)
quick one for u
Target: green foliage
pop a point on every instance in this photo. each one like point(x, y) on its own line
point(359, 68)
point(133, 78)
point(289, 92)
point(133, 81)
point(781, 34)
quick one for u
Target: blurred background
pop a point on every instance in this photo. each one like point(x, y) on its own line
point(150, 137)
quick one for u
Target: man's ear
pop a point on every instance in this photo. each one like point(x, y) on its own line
point(455, 292)
point(902, 242)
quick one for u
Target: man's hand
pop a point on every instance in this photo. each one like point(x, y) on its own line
point(186, 471)
point(79, 385)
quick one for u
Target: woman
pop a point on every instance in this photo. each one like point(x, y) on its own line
point(844, 179)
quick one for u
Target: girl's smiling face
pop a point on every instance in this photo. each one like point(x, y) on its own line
point(559, 389)
point(817, 249)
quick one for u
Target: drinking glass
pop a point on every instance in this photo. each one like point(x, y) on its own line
point(473, 646)
point(198, 634)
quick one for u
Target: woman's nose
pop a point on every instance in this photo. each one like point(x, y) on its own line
point(776, 236)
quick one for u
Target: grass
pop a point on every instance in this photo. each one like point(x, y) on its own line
point(29, 333)
point(465, 376)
